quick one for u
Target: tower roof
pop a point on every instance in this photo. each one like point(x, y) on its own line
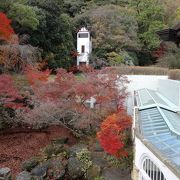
point(83, 29)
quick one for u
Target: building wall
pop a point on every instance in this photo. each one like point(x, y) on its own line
point(144, 81)
point(142, 151)
point(84, 57)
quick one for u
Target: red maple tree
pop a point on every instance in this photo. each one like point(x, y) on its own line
point(9, 93)
point(112, 134)
point(34, 75)
point(6, 31)
point(69, 96)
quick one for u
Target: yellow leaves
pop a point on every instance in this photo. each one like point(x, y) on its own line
point(178, 13)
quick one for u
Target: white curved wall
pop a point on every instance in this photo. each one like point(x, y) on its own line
point(141, 151)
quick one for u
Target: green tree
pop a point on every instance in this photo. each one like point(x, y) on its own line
point(74, 7)
point(150, 15)
point(113, 27)
point(46, 25)
point(123, 57)
point(114, 30)
point(24, 15)
point(115, 2)
point(115, 59)
point(5, 5)
point(171, 12)
point(54, 34)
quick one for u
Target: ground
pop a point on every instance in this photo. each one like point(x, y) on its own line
point(18, 147)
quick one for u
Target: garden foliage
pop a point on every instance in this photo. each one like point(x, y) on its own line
point(65, 99)
point(14, 55)
point(9, 94)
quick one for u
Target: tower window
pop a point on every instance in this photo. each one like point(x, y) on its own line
point(83, 49)
point(83, 35)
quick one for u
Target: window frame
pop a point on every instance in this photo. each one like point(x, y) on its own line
point(83, 49)
point(147, 163)
point(84, 35)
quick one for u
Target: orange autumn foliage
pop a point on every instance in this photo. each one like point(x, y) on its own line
point(6, 31)
point(112, 134)
point(33, 75)
point(9, 94)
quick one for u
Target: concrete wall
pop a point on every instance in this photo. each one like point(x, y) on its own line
point(142, 151)
point(171, 90)
point(144, 81)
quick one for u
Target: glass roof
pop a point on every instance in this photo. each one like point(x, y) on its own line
point(160, 124)
point(174, 120)
point(148, 97)
point(145, 98)
point(155, 129)
point(157, 98)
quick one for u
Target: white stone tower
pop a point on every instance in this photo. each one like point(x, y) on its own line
point(84, 46)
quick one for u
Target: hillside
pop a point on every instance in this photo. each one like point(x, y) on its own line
point(61, 118)
point(124, 31)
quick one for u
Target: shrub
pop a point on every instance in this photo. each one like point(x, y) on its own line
point(30, 164)
point(52, 150)
point(10, 100)
point(124, 162)
point(171, 57)
point(5, 119)
point(174, 74)
point(115, 59)
point(137, 70)
point(99, 178)
point(85, 158)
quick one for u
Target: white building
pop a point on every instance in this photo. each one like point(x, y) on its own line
point(84, 46)
point(156, 128)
